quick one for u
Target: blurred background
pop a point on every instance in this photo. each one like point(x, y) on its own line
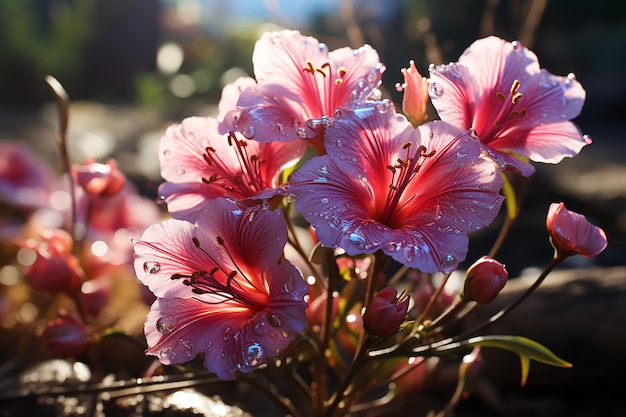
point(132, 67)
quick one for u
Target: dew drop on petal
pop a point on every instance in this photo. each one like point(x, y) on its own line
point(180, 171)
point(472, 133)
point(165, 325)
point(188, 346)
point(249, 132)
point(165, 353)
point(151, 267)
point(517, 46)
point(301, 133)
point(166, 153)
point(253, 355)
point(448, 263)
point(339, 143)
point(338, 114)
point(323, 48)
point(435, 89)
point(290, 198)
point(274, 320)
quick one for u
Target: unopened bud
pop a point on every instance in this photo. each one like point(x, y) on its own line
point(571, 233)
point(415, 98)
point(101, 180)
point(385, 313)
point(66, 336)
point(484, 280)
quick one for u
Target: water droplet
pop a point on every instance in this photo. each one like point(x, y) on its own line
point(384, 106)
point(324, 200)
point(180, 171)
point(165, 325)
point(254, 355)
point(517, 46)
point(151, 267)
point(249, 132)
point(187, 345)
point(435, 90)
point(472, 133)
point(274, 320)
point(323, 48)
point(338, 114)
point(166, 153)
point(461, 153)
point(357, 238)
point(448, 263)
point(290, 198)
point(278, 127)
point(339, 143)
point(166, 353)
point(301, 133)
point(353, 160)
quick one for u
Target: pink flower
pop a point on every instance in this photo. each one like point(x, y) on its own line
point(66, 335)
point(200, 164)
point(300, 85)
point(412, 193)
point(517, 109)
point(24, 181)
point(571, 233)
point(102, 180)
point(484, 280)
point(385, 313)
point(55, 268)
point(223, 288)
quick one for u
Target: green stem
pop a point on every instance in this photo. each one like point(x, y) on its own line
point(63, 103)
point(343, 389)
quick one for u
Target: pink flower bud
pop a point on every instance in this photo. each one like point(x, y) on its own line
point(384, 315)
point(94, 294)
point(484, 280)
point(55, 269)
point(101, 180)
point(415, 95)
point(571, 233)
point(66, 335)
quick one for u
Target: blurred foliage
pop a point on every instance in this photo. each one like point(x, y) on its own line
point(38, 39)
point(105, 50)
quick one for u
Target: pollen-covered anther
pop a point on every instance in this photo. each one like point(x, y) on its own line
point(312, 69)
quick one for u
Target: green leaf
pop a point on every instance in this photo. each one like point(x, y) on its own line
point(527, 350)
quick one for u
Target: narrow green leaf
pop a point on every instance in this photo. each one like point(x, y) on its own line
point(510, 200)
point(525, 364)
point(527, 349)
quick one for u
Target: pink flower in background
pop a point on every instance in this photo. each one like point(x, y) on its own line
point(300, 85)
point(24, 181)
point(102, 180)
point(55, 269)
point(223, 288)
point(517, 109)
point(412, 193)
point(66, 335)
point(199, 164)
point(571, 233)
